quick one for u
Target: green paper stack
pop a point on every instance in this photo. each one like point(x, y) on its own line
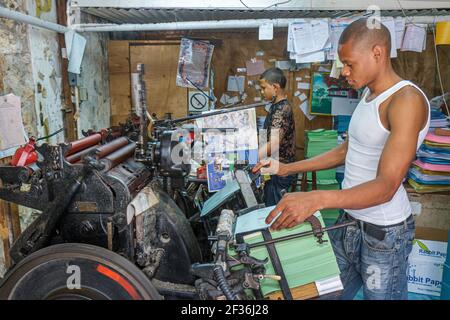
point(303, 259)
point(317, 142)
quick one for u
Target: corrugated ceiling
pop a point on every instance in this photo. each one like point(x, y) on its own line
point(120, 16)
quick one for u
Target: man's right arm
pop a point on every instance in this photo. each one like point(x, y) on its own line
point(327, 160)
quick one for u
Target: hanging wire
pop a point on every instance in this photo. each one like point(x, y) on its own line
point(272, 5)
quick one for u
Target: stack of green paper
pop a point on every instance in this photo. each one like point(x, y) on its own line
point(303, 259)
point(317, 142)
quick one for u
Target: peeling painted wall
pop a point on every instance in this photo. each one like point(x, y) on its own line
point(95, 110)
point(46, 71)
point(30, 68)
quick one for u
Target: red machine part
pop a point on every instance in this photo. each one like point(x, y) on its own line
point(25, 155)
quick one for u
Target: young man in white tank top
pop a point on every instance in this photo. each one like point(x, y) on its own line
point(386, 129)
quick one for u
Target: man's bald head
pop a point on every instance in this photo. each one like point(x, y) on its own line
point(359, 33)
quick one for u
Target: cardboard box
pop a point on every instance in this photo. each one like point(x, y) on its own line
point(426, 261)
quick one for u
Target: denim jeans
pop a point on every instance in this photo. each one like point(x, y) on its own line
point(273, 187)
point(380, 266)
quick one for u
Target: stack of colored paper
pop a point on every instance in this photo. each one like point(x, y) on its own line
point(431, 171)
point(438, 119)
point(317, 142)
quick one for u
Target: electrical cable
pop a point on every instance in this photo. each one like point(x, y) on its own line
point(50, 135)
point(272, 5)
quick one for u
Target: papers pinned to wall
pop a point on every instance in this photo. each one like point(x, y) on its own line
point(308, 40)
point(12, 132)
point(389, 23)
point(194, 63)
point(415, 38)
point(266, 31)
point(337, 26)
point(399, 31)
point(318, 39)
point(305, 109)
point(236, 83)
point(254, 67)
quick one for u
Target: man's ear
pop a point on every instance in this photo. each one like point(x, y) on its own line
point(377, 52)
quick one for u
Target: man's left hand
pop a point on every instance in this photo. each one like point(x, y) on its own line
point(295, 208)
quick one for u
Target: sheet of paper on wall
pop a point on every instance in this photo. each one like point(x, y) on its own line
point(318, 56)
point(343, 106)
point(224, 98)
point(12, 132)
point(283, 65)
point(321, 32)
point(236, 83)
point(303, 85)
point(336, 69)
point(390, 24)
point(305, 108)
point(415, 38)
point(337, 26)
point(75, 45)
point(254, 67)
point(266, 31)
point(310, 36)
point(233, 100)
point(290, 41)
point(303, 97)
point(194, 63)
point(399, 31)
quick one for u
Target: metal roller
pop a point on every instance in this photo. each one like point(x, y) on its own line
point(118, 156)
point(84, 143)
point(106, 149)
point(74, 158)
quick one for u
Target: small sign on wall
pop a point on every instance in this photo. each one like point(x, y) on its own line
point(197, 102)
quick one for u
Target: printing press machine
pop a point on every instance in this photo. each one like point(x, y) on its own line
point(111, 228)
